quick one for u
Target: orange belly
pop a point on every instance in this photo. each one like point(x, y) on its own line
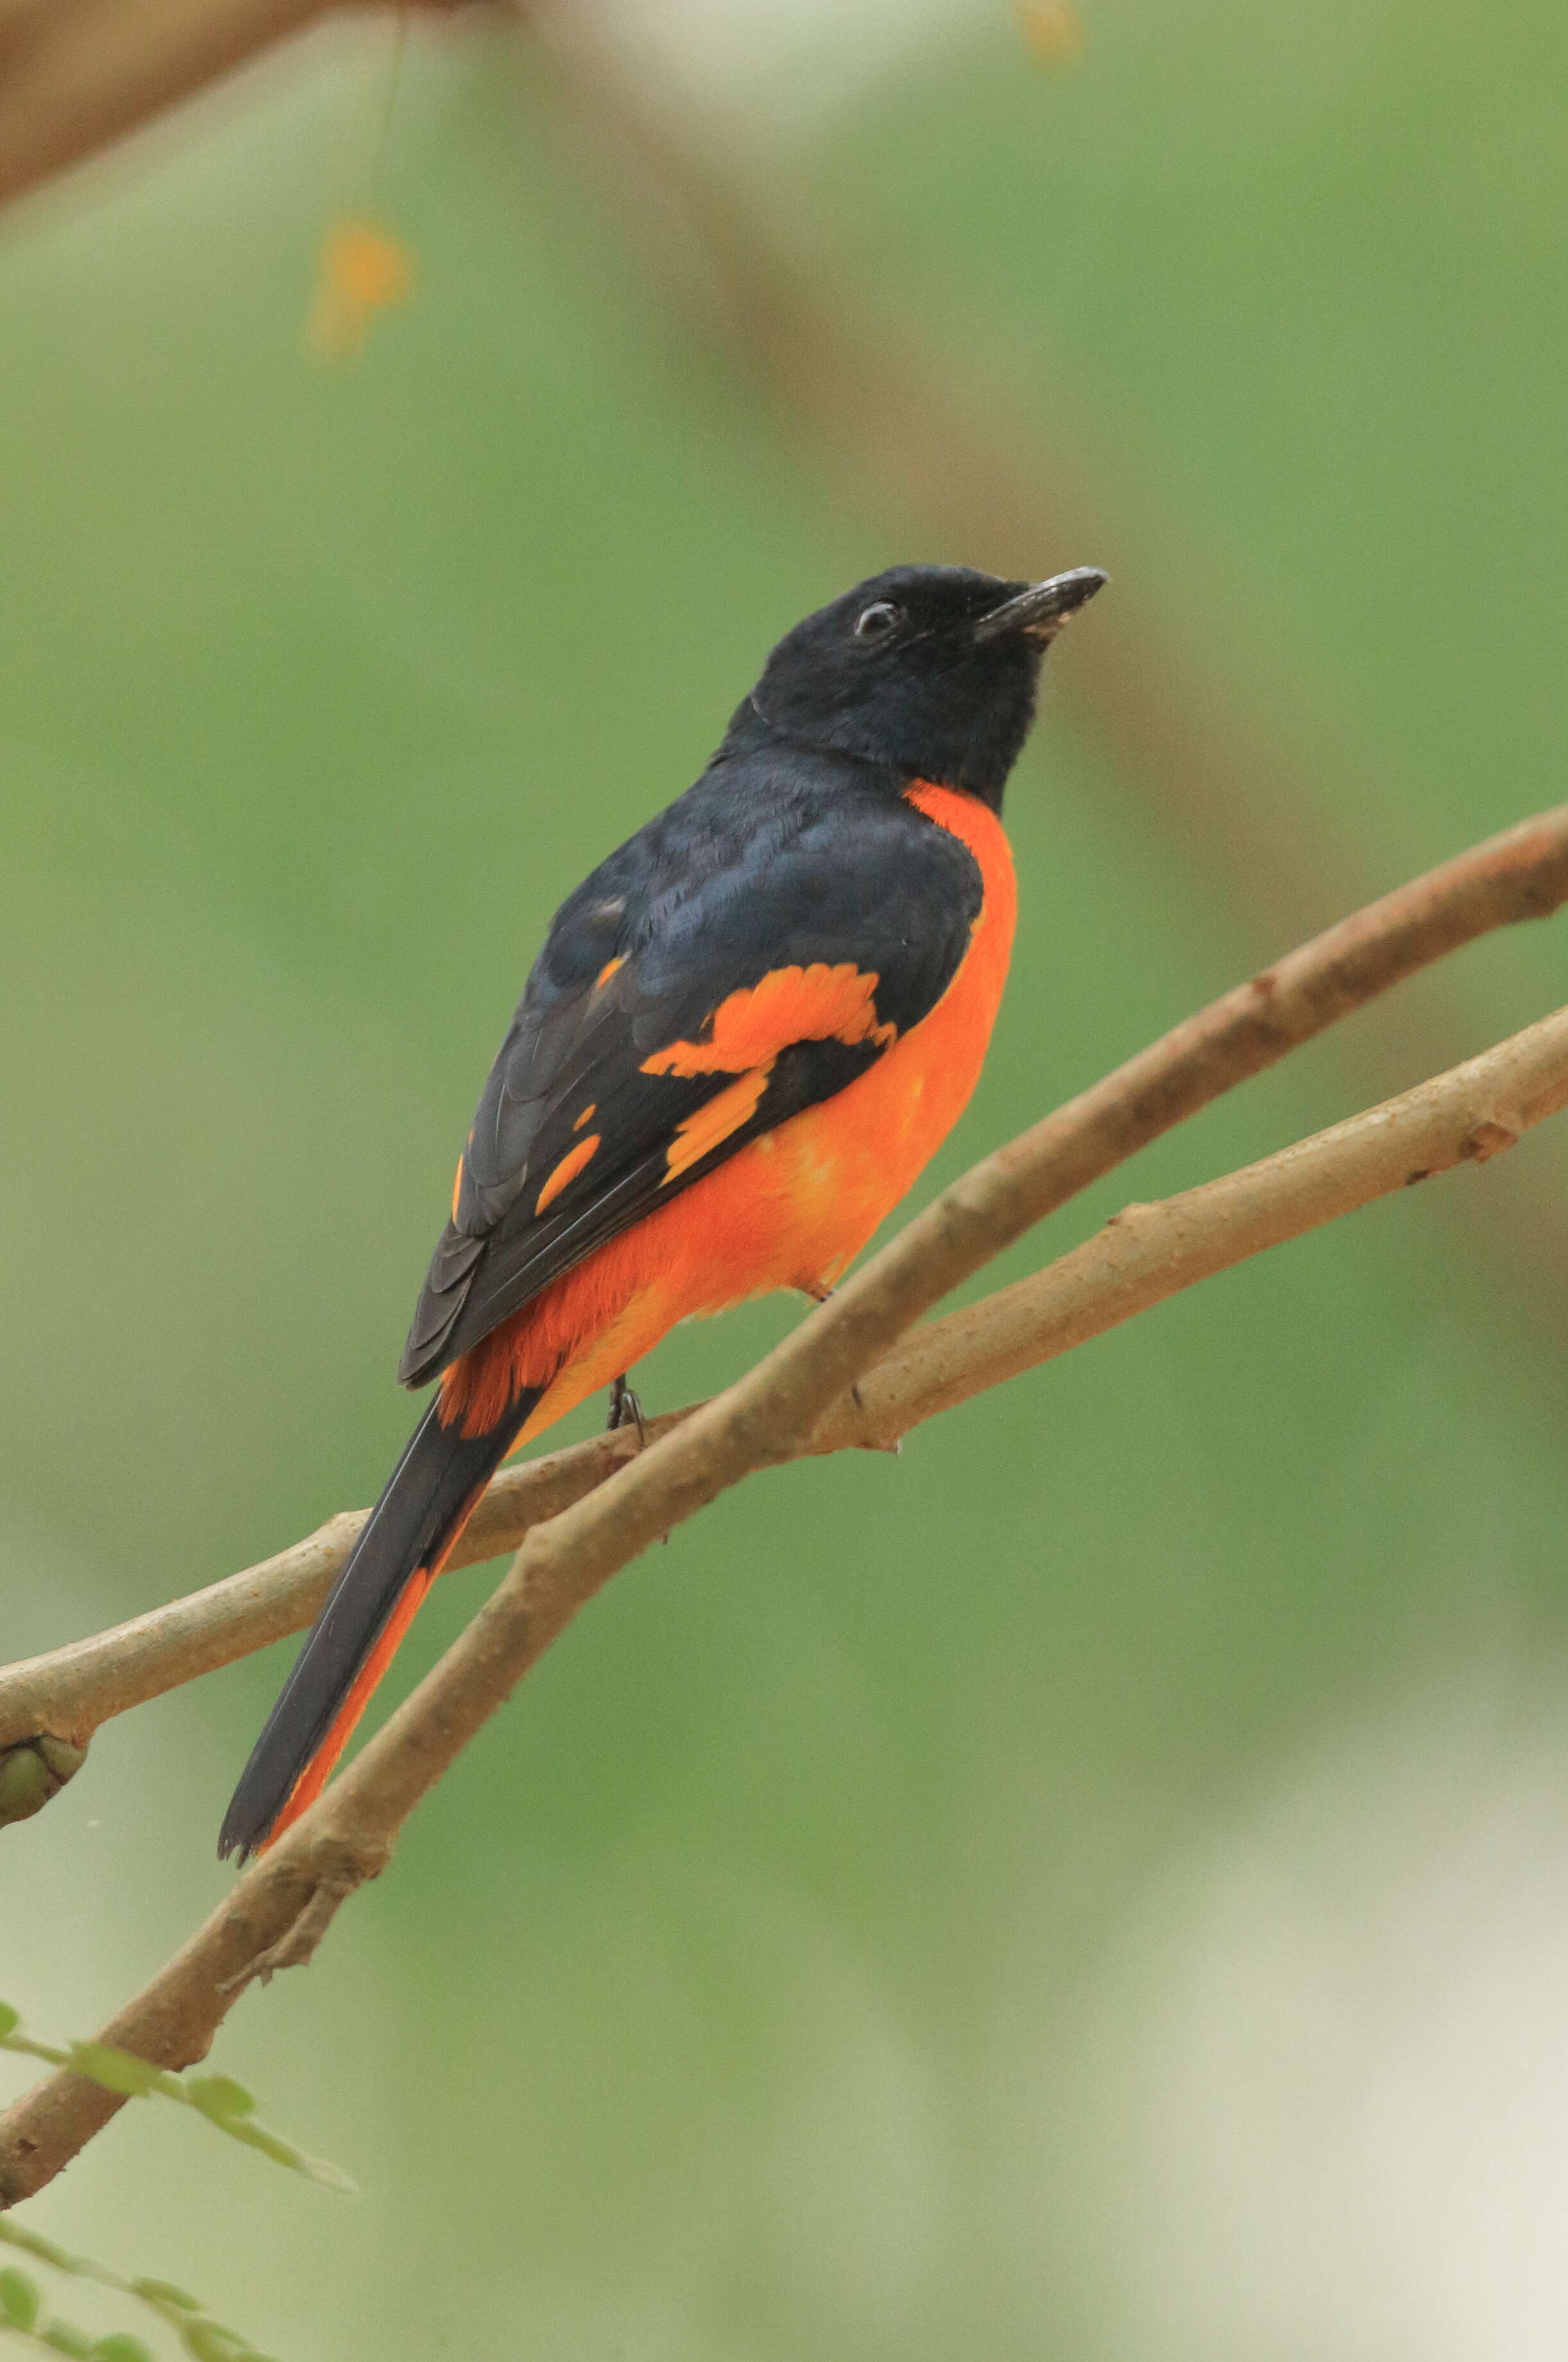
point(790, 1209)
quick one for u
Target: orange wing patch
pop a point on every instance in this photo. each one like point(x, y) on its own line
point(587, 1112)
point(608, 970)
point(457, 1188)
point(791, 1004)
point(749, 1028)
point(569, 1168)
point(714, 1123)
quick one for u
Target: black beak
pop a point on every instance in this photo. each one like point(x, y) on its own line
point(1040, 612)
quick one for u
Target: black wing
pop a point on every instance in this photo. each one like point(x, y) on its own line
point(669, 980)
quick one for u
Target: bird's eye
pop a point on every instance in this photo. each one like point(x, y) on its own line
point(876, 621)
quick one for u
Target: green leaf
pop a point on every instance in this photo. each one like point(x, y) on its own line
point(67, 2340)
point(165, 2292)
point(220, 2097)
point(116, 2070)
point(207, 2341)
point(315, 2169)
point(19, 2299)
point(33, 2243)
point(204, 2339)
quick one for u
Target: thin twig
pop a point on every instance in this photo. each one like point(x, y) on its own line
point(1522, 874)
point(280, 1908)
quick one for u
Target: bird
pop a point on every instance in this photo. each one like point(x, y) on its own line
point(748, 1032)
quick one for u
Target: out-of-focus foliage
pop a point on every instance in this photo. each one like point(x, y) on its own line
point(1096, 1884)
point(218, 2098)
point(30, 2320)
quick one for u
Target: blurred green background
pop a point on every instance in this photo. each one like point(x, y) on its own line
point(1097, 1885)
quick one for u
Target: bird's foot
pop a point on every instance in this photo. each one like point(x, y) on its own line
point(626, 1410)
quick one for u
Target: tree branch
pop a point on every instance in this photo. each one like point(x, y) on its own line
point(60, 1698)
point(280, 1906)
point(76, 75)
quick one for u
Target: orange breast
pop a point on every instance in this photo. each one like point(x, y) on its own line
point(790, 1209)
point(850, 1159)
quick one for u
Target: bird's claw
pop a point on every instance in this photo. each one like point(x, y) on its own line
point(626, 1410)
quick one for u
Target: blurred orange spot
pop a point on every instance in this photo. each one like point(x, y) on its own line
point(363, 270)
point(1052, 30)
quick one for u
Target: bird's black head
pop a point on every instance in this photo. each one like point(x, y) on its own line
point(930, 669)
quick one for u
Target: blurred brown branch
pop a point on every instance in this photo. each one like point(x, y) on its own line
point(278, 1911)
point(76, 74)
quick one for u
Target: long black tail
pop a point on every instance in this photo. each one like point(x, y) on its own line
point(406, 1540)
